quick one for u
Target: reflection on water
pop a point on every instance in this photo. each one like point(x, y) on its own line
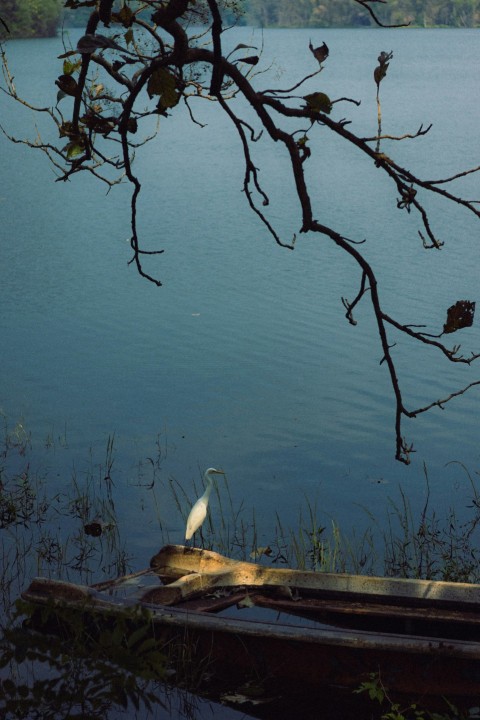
point(76, 527)
point(244, 357)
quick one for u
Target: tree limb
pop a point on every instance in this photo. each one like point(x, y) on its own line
point(144, 85)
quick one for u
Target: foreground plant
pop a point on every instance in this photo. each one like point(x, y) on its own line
point(77, 667)
point(393, 710)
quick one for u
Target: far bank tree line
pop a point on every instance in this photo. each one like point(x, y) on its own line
point(344, 13)
point(30, 18)
point(42, 18)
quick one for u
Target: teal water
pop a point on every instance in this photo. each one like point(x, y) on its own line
point(243, 359)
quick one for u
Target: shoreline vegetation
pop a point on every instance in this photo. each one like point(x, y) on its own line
point(63, 522)
point(75, 528)
point(44, 18)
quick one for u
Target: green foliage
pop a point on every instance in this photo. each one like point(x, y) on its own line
point(347, 13)
point(93, 666)
point(41, 18)
point(391, 710)
point(305, 13)
point(319, 102)
point(77, 12)
point(86, 666)
point(31, 18)
point(163, 83)
point(431, 547)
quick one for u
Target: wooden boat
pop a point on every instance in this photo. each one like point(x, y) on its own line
point(297, 628)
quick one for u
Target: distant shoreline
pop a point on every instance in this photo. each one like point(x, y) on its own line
point(12, 36)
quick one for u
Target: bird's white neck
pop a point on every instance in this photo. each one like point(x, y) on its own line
point(208, 489)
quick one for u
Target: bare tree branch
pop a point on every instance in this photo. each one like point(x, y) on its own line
point(104, 133)
point(367, 5)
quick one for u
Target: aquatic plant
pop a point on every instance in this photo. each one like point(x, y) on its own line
point(76, 534)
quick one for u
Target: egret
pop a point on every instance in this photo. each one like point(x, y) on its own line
point(198, 513)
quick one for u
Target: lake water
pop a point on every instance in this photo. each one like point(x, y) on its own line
point(243, 359)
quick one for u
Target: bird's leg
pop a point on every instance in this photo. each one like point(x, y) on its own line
point(188, 547)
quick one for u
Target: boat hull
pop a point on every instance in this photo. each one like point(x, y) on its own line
point(315, 657)
point(280, 654)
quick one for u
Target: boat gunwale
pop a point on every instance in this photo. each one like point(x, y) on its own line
point(92, 601)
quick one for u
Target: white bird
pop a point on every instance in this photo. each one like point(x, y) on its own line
point(198, 513)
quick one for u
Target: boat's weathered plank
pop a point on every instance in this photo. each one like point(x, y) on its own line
point(347, 609)
point(178, 562)
point(433, 660)
point(43, 591)
point(310, 656)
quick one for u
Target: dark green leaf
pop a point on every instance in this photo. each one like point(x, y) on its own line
point(137, 635)
point(320, 102)
point(125, 16)
point(71, 67)
point(74, 149)
point(67, 84)
point(163, 83)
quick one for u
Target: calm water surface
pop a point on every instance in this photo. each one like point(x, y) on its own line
point(243, 359)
